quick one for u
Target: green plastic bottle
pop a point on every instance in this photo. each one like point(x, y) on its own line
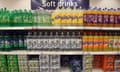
point(21, 40)
point(1, 42)
point(30, 18)
point(35, 18)
point(8, 42)
point(20, 18)
point(39, 18)
point(3, 63)
point(15, 41)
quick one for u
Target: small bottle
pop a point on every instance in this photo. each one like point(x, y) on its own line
point(35, 40)
point(106, 18)
point(112, 17)
point(8, 42)
point(90, 40)
point(116, 41)
point(57, 42)
point(21, 40)
point(62, 41)
point(111, 41)
point(85, 41)
point(1, 41)
point(40, 41)
point(101, 41)
point(15, 42)
point(96, 41)
point(73, 41)
point(106, 41)
point(29, 41)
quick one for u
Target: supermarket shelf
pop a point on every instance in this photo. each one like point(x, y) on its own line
point(68, 70)
point(58, 52)
point(60, 27)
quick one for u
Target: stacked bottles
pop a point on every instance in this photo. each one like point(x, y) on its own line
point(12, 62)
point(23, 63)
point(97, 61)
point(3, 63)
point(108, 63)
point(117, 63)
point(102, 17)
point(53, 40)
point(42, 18)
point(33, 63)
point(12, 41)
point(87, 63)
point(100, 41)
point(67, 17)
point(4, 17)
point(76, 63)
point(24, 18)
point(49, 63)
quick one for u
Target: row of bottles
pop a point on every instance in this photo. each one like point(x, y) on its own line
point(60, 40)
point(61, 17)
point(57, 63)
point(12, 41)
point(101, 41)
point(67, 17)
point(24, 18)
point(53, 40)
point(102, 17)
point(30, 63)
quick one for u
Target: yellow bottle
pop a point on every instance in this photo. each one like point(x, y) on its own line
point(74, 17)
point(80, 17)
point(68, 16)
point(62, 15)
point(56, 20)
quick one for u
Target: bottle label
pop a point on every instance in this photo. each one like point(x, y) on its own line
point(100, 17)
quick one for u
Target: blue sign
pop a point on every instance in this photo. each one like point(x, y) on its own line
point(53, 4)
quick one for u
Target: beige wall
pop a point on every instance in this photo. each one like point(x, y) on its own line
point(25, 4)
point(105, 3)
point(15, 4)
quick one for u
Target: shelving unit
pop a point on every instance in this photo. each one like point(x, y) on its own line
point(17, 52)
point(59, 27)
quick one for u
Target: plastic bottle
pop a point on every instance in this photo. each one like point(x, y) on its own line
point(75, 17)
point(106, 41)
point(116, 14)
point(21, 38)
point(80, 17)
point(119, 40)
point(112, 17)
point(29, 41)
point(57, 17)
point(116, 42)
point(62, 15)
point(34, 41)
point(8, 42)
point(105, 18)
point(100, 47)
point(85, 41)
point(96, 42)
point(68, 16)
point(48, 19)
point(111, 41)
point(118, 19)
point(95, 14)
point(90, 17)
point(90, 40)
point(100, 18)
point(15, 41)
point(85, 16)
point(1, 41)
